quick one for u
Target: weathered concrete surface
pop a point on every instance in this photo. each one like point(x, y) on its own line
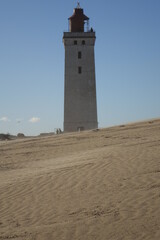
point(80, 107)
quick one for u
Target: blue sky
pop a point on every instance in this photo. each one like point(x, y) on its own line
point(127, 54)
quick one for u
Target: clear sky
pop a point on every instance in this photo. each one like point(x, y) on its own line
point(127, 54)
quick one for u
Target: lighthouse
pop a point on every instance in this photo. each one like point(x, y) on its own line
point(80, 105)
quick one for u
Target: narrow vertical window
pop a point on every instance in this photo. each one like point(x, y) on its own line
point(75, 42)
point(83, 42)
point(79, 70)
point(79, 55)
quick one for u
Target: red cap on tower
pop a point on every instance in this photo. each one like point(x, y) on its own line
point(77, 20)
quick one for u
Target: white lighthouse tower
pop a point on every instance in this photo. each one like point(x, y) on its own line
point(80, 107)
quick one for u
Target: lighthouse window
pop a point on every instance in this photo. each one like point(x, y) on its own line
point(79, 55)
point(75, 42)
point(79, 70)
point(83, 42)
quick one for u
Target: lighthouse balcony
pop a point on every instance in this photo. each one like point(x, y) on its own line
point(79, 35)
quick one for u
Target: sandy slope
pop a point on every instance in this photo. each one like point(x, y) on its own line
point(83, 186)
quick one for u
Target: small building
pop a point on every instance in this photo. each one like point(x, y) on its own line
point(80, 106)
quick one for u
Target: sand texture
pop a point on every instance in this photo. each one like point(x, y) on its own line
point(93, 185)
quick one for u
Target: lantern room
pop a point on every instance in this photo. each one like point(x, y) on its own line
point(78, 22)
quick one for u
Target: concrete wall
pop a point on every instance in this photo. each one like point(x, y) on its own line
point(80, 108)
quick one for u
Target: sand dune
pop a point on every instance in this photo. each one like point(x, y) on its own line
point(99, 185)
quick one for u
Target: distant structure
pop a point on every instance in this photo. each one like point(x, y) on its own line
point(80, 106)
point(20, 135)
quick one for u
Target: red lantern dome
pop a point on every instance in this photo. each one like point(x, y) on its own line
point(77, 20)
